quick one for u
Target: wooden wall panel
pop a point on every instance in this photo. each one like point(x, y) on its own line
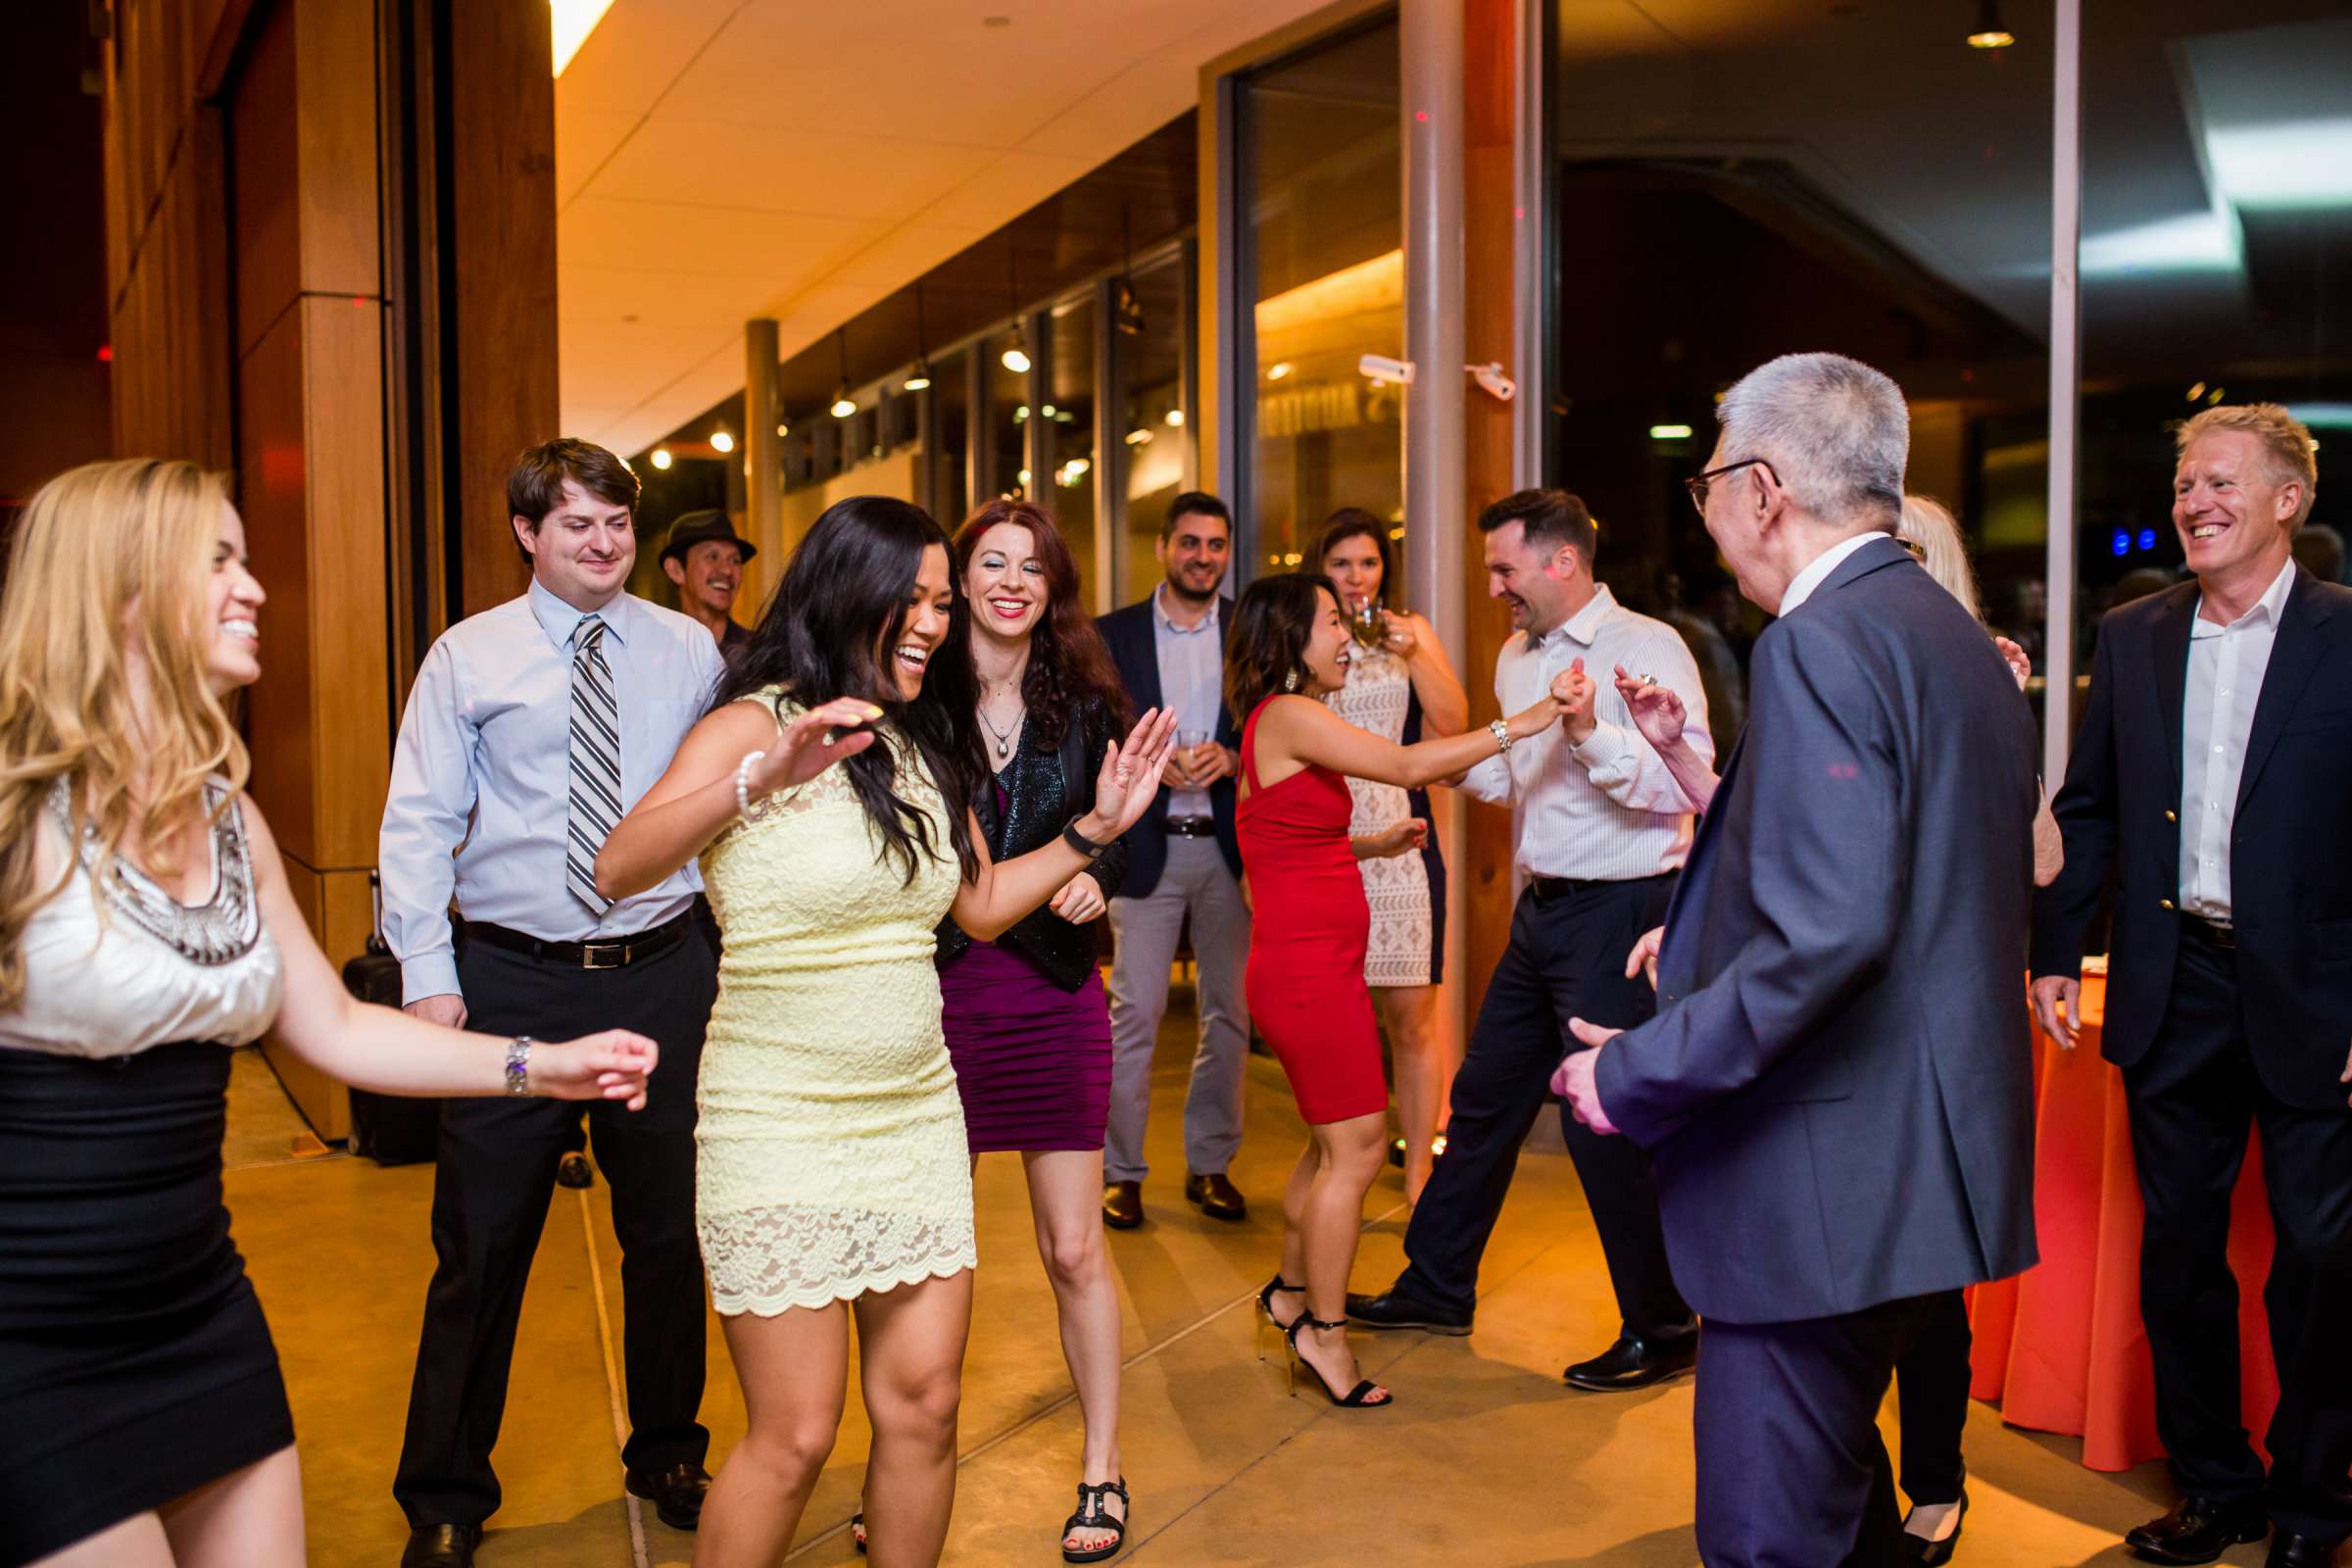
point(336, 120)
point(349, 719)
point(273, 484)
point(268, 183)
point(1489, 218)
point(504, 166)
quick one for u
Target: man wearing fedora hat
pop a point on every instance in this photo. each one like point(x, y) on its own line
point(704, 557)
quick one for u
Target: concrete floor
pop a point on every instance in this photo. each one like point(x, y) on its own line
point(1485, 1456)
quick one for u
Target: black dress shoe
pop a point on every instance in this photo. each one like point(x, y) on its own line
point(2200, 1530)
point(677, 1493)
point(1123, 1205)
point(1216, 1196)
point(441, 1546)
point(2300, 1552)
point(1934, 1553)
point(1635, 1363)
point(573, 1171)
point(1392, 1309)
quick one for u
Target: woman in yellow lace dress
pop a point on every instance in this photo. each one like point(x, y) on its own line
point(828, 794)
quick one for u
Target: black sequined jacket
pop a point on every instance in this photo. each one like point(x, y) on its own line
point(1040, 804)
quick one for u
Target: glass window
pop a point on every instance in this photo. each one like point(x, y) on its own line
point(1155, 439)
point(1708, 217)
point(1069, 425)
point(951, 428)
point(1324, 193)
point(1008, 413)
point(2217, 258)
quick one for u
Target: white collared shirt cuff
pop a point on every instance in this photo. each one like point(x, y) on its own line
point(1608, 746)
point(428, 974)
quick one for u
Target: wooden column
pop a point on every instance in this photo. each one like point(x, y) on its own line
point(763, 468)
point(500, 289)
point(310, 454)
point(1482, 884)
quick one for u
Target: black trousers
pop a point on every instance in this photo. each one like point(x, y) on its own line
point(1566, 958)
point(491, 1191)
point(1791, 1471)
point(2193, 1098)
point(1931, 1387)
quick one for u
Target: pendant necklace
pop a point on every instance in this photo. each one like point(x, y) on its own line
point(1004, 736)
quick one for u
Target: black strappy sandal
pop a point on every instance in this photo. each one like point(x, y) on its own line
point(1358, 1398)
point(1093, 1515)
point(1265, 1310)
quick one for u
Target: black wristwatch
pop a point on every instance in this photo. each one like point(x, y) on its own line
point(1082, 844)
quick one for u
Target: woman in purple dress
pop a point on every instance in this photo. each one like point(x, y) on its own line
point(1027, 1025)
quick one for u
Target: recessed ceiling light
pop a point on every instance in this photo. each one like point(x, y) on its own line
point(660, 457)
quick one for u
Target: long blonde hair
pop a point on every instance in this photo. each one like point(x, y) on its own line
point(107, 555)
point(1935, 534)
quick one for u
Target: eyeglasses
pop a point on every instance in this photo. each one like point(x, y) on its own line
point(1698, 484)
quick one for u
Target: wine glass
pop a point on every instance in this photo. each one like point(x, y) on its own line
point(1367, 624)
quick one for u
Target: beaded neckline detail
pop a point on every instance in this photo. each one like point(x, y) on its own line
point(220, 931)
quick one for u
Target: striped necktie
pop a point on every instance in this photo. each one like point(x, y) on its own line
point(595, 762)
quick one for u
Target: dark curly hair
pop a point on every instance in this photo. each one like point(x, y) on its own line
point(1069, 667)
point(840, 604)
point(1268, 645)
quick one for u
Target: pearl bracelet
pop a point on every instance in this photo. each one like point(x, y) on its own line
point(743, 786)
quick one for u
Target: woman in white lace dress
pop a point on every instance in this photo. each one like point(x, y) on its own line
point(1402, 688)
point(832, 1175)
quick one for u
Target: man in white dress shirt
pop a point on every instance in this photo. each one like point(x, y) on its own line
point(2210, 773)
point(1600, 830)
point(531, 728)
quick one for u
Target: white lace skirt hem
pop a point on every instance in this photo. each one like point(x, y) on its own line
point(776, 1257)
point(728, 1303)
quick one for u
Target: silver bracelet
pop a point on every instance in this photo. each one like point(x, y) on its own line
point(743, 786)
point(1501, 733)
point(518, 1065)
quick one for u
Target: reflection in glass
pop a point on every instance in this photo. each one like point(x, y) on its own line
point(2217, 255)
point(1154, 438)
point(1711, 216)
point(1069, 418)
point(1008, 417)
point(1326, 238)
point(951, 428)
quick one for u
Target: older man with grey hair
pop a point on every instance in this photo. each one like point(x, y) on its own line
point(1836, 1090)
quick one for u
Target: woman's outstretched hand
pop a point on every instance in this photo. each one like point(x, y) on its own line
point(1129, 780)
point(1397, 838)
point(811, 744)
point(611, 1065)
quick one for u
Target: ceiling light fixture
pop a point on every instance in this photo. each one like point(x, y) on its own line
point(921, 378)
point(843, 404)
point(1670, 432)
point(1276, 372)
point(783, 429)
point(1988, 32)
point(660, 457)
point(722, 441)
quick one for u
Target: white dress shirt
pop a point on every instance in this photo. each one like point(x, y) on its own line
point(1817, 571)
point(1192, 683)
point(481, 775)
point(2226, 666)
point(1608, 811)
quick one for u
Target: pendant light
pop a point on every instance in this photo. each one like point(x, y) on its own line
point(921, 378)
point(844, 406)
point(1988, 32)
point(1015, 357)
point(1126, 311)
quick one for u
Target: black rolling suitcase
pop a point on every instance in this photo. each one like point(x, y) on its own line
point(389, 1129)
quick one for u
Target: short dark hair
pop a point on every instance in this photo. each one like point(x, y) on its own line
point(1551, 518)
point(536, 486)
point(1195, 502)
point(1265, 652)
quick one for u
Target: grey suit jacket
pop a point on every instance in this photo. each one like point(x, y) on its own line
point(1838, 1088)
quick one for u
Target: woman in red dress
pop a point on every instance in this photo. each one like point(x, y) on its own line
point(1309, 926)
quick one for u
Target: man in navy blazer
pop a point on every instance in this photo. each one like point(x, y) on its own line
point(1837, 1091)
point(2211, 772)
point(1184, 860)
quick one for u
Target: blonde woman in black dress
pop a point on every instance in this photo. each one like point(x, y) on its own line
point(146, 926)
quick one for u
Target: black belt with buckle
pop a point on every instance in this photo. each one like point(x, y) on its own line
point(1544, 889)
point(2214, 933)
point(1193, 827)
point(605, 952)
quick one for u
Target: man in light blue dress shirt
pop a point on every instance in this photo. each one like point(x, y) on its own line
point(531, 728)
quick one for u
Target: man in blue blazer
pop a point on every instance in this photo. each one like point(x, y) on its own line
point(2211, 773)
point(1182, 861)
point(1837, 1091)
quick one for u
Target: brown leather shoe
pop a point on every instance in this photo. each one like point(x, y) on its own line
point(1123, 1205)
point(1219, 1198)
